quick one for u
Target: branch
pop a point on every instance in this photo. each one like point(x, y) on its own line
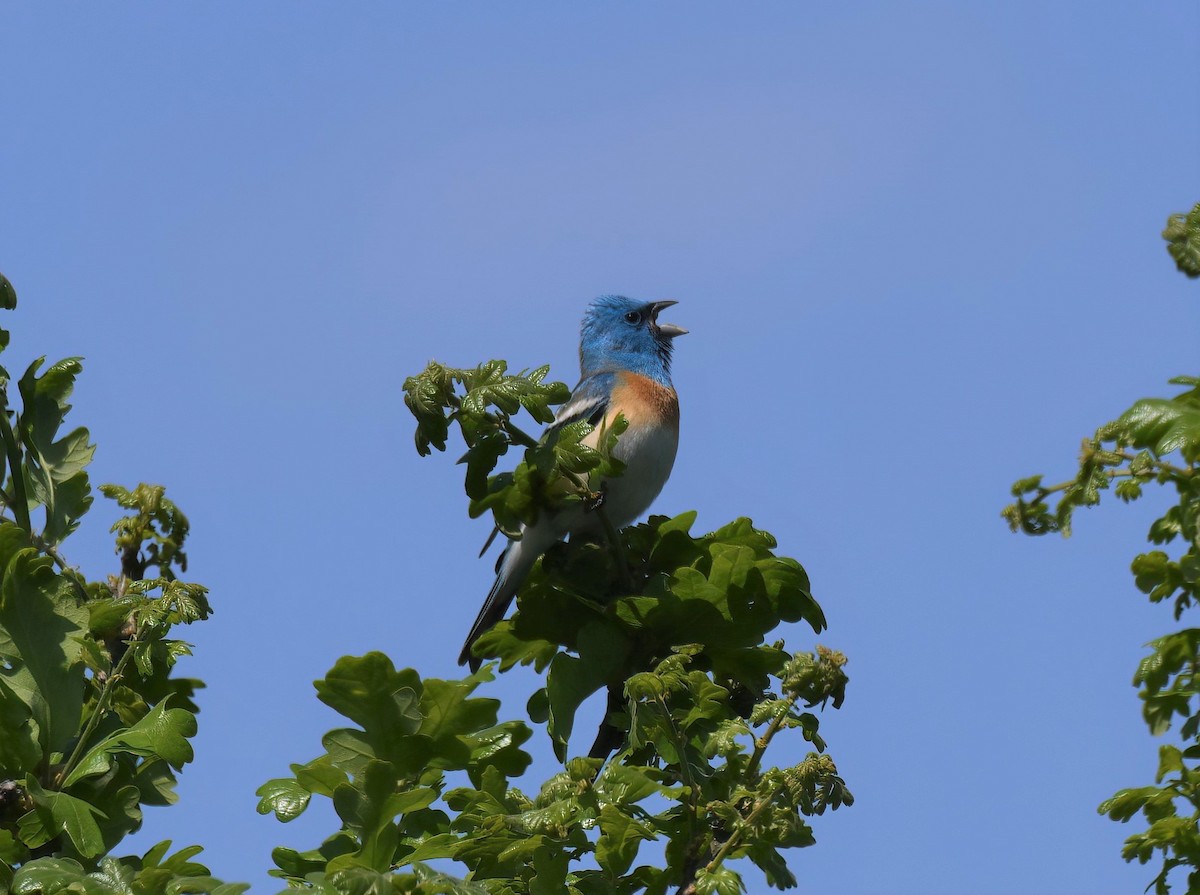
point(732, 842)
point(762, 742)
point(20, 506)
point(97, 713)
point(68, 571)
point(517, 434)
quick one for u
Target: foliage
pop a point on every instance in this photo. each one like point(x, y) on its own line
point(1183, 240)
point(1156, 441)
point(690, 774)
point(669, 626)
point(93, 725)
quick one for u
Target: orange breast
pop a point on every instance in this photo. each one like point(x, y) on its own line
point(644, 401)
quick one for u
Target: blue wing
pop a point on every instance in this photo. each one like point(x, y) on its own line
point(589, 400)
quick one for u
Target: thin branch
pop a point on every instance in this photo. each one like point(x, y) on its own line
point(1163, 465)
point(762, 742)
point(20, 505)
point(69, 571)
point(1157, 468)
point(517, 434)
point(732, 842)
point(97, 713)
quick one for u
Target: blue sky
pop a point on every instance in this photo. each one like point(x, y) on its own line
point(917, 249)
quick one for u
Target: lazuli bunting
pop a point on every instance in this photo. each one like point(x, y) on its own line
point(624, 367)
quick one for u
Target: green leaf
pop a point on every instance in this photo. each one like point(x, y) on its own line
point(623, 784)
point(620, 837)
point(115, 877)
point(118, 805)
point(319, 776)
point(499, 748)
point(72, 499)
point(1182, 234)
point(432, 396)
point(432, 848)
point(13, 539)
point(299, 865)
point(773, 866)
point(47, 876)
point(571, 680)
point(549, 872)
point(1163, 425)
point(55, 813)
point(349, 750)
point(45, 399)
point(54, 467)
point(162, 733)
point(369, 813)
point(8, 295)
point(721, 881)
point(371, 692)
point(451, 718)
point(283, 796)
point(41, 626)
point(19, 749)
point(155, 533)
point(12, 851)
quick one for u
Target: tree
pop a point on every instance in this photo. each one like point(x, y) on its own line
point(668, 625)
point(1156, 441)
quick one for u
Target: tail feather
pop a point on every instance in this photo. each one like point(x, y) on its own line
point(515, 563)
point(502, 592)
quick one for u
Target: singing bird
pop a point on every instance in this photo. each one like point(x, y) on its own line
point(624, 367)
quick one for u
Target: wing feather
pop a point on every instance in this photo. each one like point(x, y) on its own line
point(589, 400)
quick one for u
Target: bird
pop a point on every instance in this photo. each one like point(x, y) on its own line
point(624, 368)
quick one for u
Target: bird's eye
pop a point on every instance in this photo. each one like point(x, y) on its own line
point(633, 317)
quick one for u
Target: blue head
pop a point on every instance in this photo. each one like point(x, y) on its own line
point(620, 333)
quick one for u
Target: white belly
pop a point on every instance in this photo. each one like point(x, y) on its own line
point(648, 453)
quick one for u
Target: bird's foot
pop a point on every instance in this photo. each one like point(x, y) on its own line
point(594, 500)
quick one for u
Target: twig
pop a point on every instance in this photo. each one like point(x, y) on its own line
point(516, 433)
point(761, 743)
point(68, 571)
point(97, 713)
point(20, 505)
point(732, 842)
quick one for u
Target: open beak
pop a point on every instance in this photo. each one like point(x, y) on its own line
point(668, 330)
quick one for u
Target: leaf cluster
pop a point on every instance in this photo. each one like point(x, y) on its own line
point(1154, 442)
point(1157, 440)
point(385, 774)
point(155, 873)
point(690, 776)
point(554, 471)
point(668, 627)
point(93, 724)
point(591, 617)
point(1182, 234)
